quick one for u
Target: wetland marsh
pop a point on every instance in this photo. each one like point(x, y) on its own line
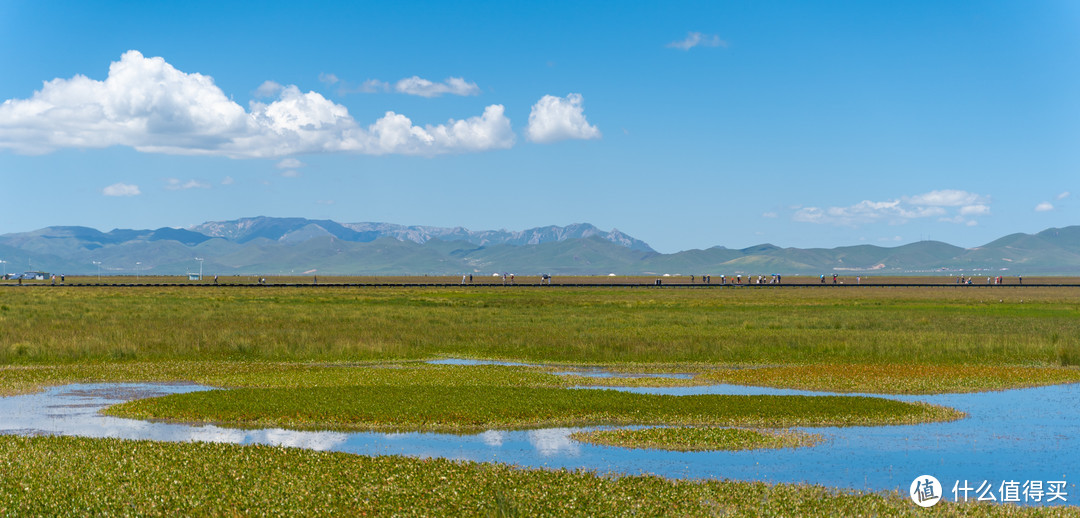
point(346, 359)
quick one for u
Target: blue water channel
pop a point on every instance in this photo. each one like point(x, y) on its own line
point(1009, 436)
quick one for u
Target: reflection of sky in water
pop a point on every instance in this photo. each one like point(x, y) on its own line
point(1027, 434)
point(73, 410)
point(554, 441)
point(493, 437)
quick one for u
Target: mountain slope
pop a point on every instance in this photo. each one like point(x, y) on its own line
point(272, 246)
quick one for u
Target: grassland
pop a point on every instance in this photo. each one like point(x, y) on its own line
point(915, 326)
point(698, 438)
point(63, 476)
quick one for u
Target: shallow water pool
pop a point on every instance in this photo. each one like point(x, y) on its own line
point(1016, 435)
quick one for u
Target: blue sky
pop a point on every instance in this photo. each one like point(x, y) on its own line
point(687, 125)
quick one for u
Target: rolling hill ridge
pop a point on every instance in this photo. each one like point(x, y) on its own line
point(277, 246)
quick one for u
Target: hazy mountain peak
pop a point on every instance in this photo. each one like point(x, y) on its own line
point(532, 236)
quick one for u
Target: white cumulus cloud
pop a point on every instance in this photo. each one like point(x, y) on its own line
point(697, 39)
point(1044, 207)
point(395, 133)
point(559, 118)
point(121, 189)
point(419, 86)
point(147, 104)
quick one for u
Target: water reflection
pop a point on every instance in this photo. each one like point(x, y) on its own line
point(550, 442)
point(493, 437)
point(73, 410)
point(1027, 434)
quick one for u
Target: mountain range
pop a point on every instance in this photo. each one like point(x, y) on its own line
point(272, 246)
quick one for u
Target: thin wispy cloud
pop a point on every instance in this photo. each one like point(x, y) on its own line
point(1063, 195)
point(414, 85)
point(948, 205)
point(121, 189)
point(944, 198)
point(1044, 207)
point(372, 86)
point(697, 39)
point(290, 166)
point(147, 104)
point(419, 86)
point(175, 184)
point(975, 210)
point(289, 163)
point(268, 89)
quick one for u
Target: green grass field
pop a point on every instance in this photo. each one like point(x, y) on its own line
point(930, 326)
point(308, 349)
point(64, 476)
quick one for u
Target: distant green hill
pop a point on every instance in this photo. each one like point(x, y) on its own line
point(275, 246)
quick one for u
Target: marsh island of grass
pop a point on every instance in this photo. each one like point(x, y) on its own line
point(477, 408)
